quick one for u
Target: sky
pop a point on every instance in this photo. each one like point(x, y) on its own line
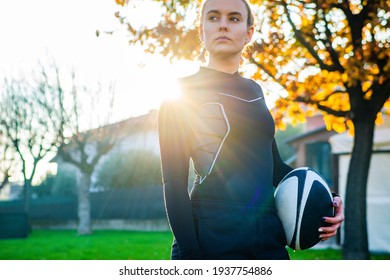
point(33, 31)
point(65, 31)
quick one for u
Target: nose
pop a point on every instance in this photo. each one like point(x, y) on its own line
point(223, 25)
point(223, 28)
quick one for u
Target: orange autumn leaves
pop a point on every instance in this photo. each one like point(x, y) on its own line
point(310, 48)
point(121, 2)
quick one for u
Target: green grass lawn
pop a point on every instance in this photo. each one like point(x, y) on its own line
point(114, 245)
point(101, 245)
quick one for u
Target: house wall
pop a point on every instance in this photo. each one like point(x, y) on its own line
point(300, 146)
point(146, 140)
point(378, 185)
point(378, 199)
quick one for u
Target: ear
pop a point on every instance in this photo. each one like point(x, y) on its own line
point(249, 34)
point(201, 33)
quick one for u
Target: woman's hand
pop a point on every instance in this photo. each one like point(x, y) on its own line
point(335, 222)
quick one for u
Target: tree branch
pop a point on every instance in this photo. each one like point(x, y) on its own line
point(261, 66)
point(302, 40)
point(380, 94)
point(328, 110)
point(332, 52)
point(331, 94)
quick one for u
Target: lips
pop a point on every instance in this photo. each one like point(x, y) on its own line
point(223, 38)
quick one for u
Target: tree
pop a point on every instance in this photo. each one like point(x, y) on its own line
point(327, 56)
point(7, 161)
point(41, 116)
point(89, 138)
point(30, 125)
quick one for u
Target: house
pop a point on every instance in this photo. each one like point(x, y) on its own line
point(131, 208)
point(313, 149)
point(329, 153)
point(136, 133)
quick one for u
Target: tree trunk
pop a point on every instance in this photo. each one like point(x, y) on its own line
point(27, 202)
point(355, 245)
point(84, 205)
point(27, 195)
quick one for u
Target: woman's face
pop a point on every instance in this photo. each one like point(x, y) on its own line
point(224, 28)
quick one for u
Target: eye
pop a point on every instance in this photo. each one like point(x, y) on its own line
point(212, 18)
point(235, 19)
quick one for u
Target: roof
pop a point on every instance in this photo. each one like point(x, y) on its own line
point(121, 129)
point(134, 124)
point(299, 137)
point(343, 143)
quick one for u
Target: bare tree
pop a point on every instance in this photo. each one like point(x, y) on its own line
point(29, 122)
point(7, 161)
point(90, 138)
point(43, 116)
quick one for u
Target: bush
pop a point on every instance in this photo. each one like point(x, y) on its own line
point(63, 183)
point(285, 150)
point(129, 169)
point(45, 187)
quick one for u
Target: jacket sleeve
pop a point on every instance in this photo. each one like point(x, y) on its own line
point(280, 167)
point(174, 136)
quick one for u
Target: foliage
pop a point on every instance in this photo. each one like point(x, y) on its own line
point(325, 54)
point(334, 55)
point(132, 168)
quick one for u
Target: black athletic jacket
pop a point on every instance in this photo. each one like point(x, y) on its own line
point(221, 123)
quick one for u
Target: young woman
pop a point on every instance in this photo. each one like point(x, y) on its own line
point(222, 124)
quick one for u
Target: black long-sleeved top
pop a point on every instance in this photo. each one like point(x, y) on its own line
point(222, 124)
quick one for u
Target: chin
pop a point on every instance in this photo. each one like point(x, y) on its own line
point(224, 52)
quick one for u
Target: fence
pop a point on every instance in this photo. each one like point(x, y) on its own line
point(140, 208)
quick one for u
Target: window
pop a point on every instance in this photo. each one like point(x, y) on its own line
point(318, 157)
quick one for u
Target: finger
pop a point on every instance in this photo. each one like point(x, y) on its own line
point(334, 220)
point(327, 235)
point(326, 230)
point(338, 216)
point(337, 202)
point(323, 238)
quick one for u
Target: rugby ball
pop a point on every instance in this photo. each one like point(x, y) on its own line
point(302, 199)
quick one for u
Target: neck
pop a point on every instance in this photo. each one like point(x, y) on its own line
point(224, 64)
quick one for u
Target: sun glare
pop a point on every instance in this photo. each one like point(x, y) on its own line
point(145, 88)
point(171, 91)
